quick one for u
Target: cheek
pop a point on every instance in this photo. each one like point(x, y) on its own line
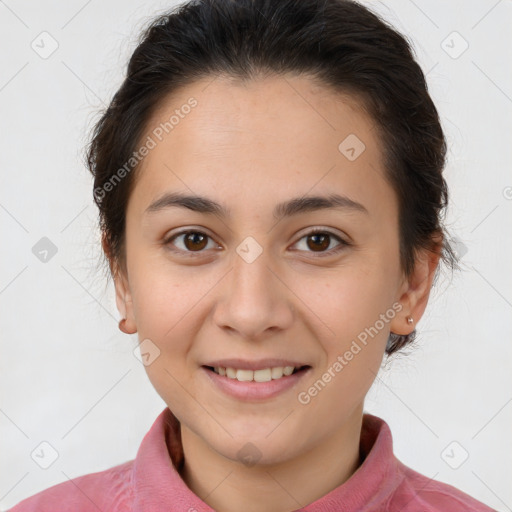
point(352, 307)
point(348, 299)
point(165, 295)
point(170, 308)
point(166, 306)
point(356, 308)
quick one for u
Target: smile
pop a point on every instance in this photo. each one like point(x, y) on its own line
point(263, 375)
point(254, 385)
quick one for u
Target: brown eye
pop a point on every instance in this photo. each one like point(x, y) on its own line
point(188, 242)
point(319, 241)
point(195, 241)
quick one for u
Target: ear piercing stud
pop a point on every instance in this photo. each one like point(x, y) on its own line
point(410, 320)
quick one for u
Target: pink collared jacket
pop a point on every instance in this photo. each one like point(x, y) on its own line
point(151, 482)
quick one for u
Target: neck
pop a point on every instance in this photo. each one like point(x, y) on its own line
point(230, 486)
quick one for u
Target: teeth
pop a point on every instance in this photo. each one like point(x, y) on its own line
point(277, 373)
point(244, 375)
point(265, 375)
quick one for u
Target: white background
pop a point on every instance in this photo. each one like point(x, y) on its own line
point(68, 376)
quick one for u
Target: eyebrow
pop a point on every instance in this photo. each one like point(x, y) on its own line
point(289, 208)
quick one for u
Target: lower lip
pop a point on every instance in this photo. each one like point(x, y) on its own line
point(251, 390)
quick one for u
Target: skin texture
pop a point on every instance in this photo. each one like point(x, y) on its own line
point(251, 146)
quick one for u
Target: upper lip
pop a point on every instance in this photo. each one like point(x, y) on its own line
point(260, 364)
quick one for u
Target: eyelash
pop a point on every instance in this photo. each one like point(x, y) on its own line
point(342, 243)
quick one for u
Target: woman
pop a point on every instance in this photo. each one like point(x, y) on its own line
point(269, 181)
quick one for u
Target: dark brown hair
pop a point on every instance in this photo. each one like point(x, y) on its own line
point(338, 43)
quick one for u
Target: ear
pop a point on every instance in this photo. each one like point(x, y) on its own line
point(415, 290)
point(122, 289)
point(124, 303)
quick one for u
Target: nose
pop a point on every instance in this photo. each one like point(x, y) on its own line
point(255, 300)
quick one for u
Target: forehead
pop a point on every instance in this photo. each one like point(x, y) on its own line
point(284, 135)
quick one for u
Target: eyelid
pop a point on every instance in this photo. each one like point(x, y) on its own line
point(343, 243)
point(324, 230)
point(168, 239)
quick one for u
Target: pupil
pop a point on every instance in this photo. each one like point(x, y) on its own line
point(324, 239)
point(191, 237)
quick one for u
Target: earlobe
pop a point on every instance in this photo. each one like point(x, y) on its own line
point(403, 324)
point(123, 327)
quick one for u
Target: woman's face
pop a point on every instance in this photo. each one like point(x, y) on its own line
point(253, 283)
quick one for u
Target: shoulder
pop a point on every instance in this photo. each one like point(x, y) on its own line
point(418, 492)
point(110, 489)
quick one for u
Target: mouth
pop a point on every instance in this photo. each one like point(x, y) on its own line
point(266, 381)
